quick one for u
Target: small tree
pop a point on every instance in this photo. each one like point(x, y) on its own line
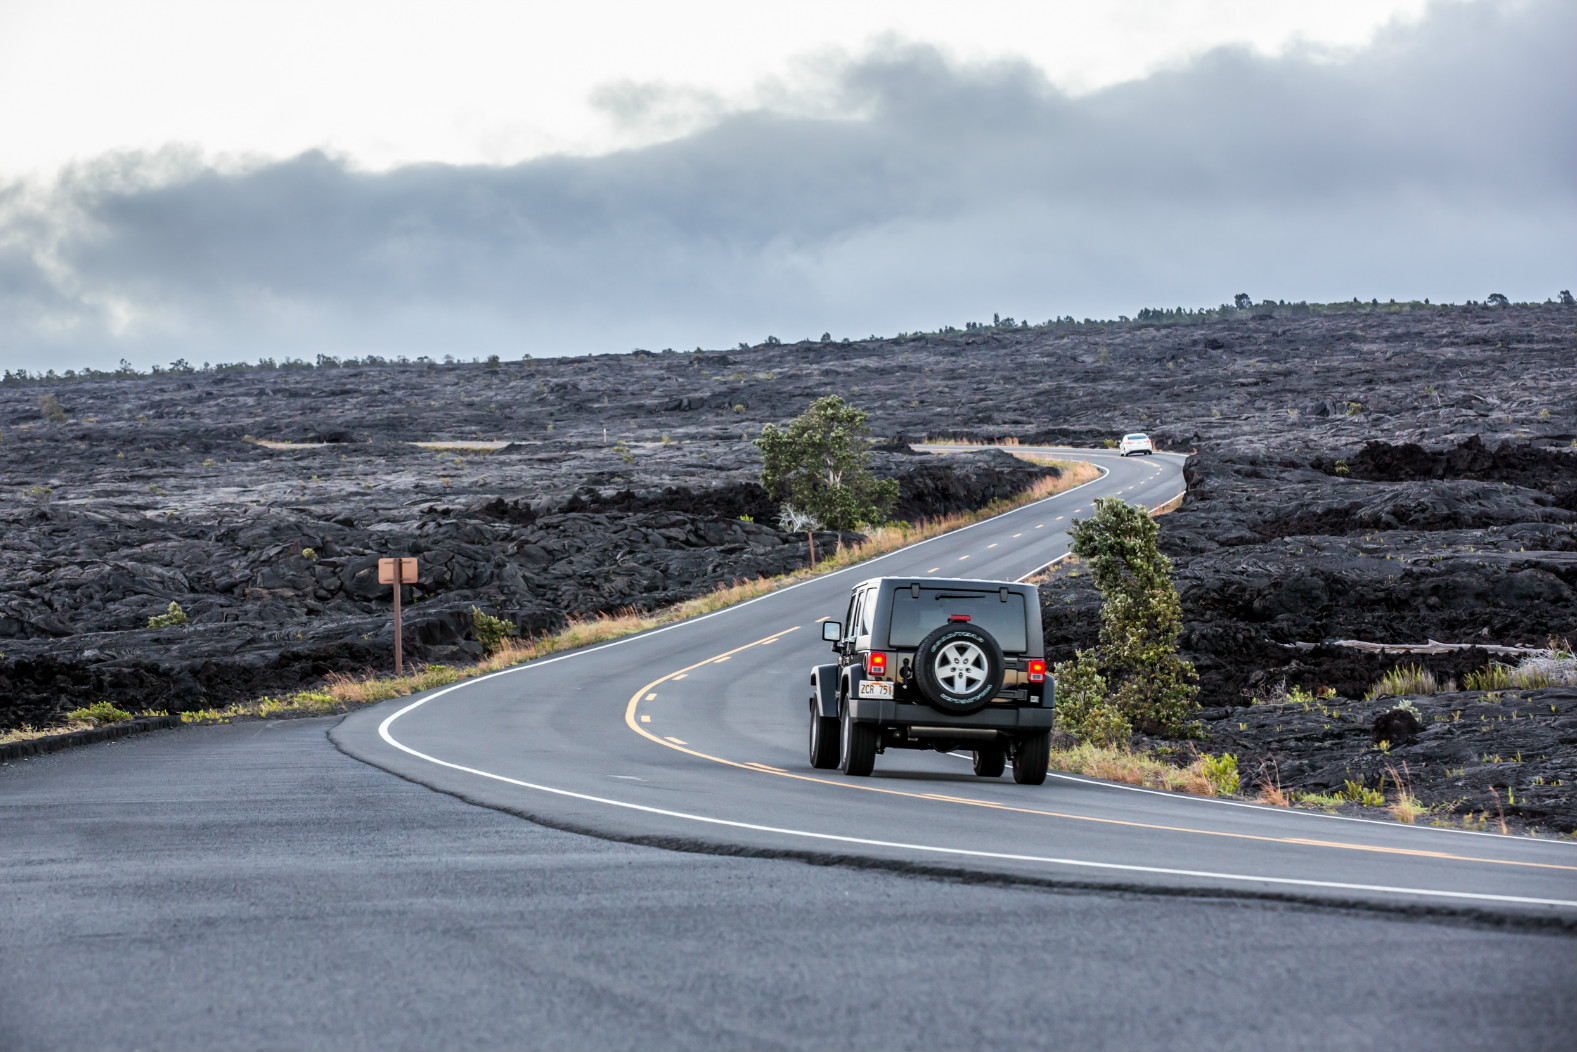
point(1243, 301)
point(1498, 299)
point(50, 407)
point(492, 632)
point(172, 616)
point(1566, 298)
point(1135, 673)
point(817, 466)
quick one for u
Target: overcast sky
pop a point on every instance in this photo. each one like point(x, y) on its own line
point(226, 181)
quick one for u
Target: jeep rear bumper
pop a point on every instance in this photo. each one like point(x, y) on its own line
point(886, 712)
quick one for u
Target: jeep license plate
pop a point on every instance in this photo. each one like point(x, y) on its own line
point(875, 688)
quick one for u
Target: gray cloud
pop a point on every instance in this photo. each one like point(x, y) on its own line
point(1440, 162)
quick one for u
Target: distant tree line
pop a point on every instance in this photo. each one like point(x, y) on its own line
point(1242, 306)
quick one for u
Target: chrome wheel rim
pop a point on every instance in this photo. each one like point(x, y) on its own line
point(960, 667)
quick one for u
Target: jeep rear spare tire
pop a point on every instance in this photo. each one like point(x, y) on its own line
point(958, 668)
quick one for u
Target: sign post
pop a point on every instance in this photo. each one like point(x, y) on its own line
point(397, 572)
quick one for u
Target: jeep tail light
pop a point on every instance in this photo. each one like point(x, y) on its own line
point(1037, 670)
point(958, 617)
point(876, 664)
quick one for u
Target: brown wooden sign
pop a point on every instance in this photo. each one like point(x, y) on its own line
point(397, 572)
point(407, 570)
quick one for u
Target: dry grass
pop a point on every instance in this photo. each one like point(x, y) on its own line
point(1121, 765)
point(26, 733)
point(1408, 679)
point(1273, 796)
point(1405, 808)
point(1532, 674)
point(1171, 505)
point(970, 442)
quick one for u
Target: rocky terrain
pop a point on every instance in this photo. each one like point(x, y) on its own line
point(272, 554)
point(1385, 474)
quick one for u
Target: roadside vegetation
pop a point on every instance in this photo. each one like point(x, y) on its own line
point(342, 692)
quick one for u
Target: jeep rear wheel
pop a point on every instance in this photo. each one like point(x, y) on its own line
point(1031, 758)
point(858, 745)
point(823, 738)
point(958, 668)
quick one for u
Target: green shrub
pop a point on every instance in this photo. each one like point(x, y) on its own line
point(99, 712)
point(50, 407)
point(1298, 696)
point(492, 632)
point(171, 617)
point(1358, 794)
point(1082, 708)
point(1222, 771)
point(1142, 676)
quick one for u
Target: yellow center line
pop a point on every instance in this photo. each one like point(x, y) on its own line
point(679, 746)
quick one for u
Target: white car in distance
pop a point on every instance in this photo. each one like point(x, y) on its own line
point(1135, 443)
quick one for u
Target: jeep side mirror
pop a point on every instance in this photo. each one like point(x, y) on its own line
point(831, 631)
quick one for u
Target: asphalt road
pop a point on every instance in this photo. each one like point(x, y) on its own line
point(694, 736)
point(250, 886)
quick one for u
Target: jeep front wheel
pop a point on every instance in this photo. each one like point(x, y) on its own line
point(823, 738)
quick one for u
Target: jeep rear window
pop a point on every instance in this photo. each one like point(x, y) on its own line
point(913, 618)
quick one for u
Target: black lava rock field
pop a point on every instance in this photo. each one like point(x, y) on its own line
point(1388, 474)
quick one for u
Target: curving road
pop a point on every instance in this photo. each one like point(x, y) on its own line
point(249, 886)
point(693, 736)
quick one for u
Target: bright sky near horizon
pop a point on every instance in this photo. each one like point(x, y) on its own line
point(481, 81)
point(240, 179)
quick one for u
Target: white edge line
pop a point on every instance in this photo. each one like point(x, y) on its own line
point(383, 731)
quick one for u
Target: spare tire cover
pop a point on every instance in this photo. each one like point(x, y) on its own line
point(958, 668)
